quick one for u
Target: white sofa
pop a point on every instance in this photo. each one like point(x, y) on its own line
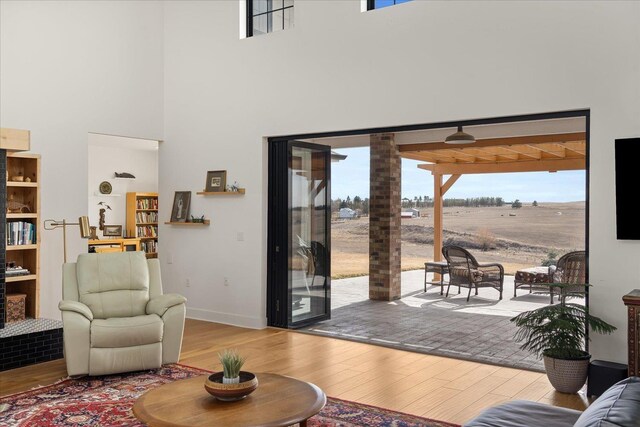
point(115, 316)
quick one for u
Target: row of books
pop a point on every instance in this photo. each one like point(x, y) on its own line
point(150, 246)
point(147, 231)
point(21, 233)
point(147, 217)
point(147, 203)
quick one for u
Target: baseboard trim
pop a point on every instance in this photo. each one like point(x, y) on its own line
point(226, 318)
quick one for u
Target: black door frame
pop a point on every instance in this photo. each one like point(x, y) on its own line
point(279, 298)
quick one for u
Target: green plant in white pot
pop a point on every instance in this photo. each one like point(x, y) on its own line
point(231, 364)
point(557, 333)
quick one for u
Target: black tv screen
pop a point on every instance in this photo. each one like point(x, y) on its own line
point(627, 218)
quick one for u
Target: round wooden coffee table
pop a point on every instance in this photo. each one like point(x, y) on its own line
point(278, 401)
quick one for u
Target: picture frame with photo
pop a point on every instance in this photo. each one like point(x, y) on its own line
point(112, 231)
point(181, 204)
point(216, 181)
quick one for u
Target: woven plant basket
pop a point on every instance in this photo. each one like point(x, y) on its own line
point(567, 375)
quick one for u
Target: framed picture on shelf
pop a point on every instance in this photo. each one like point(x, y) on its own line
point(180, 210)
point(216, 181)
point(112, 231)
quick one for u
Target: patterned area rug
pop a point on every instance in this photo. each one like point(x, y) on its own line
point(107, 401)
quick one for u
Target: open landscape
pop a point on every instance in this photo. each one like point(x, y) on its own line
point(516, 238)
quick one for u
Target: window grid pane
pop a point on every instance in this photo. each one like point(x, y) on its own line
point(271, 15)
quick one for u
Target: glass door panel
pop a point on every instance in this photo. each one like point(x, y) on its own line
point(309, 216)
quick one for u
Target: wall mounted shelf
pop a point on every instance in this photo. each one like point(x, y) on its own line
point(99, 194)
point(221, 193)
point(201, 224)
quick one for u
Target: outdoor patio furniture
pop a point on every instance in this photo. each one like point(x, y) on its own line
point(465, 271)
point(438, 267)
point(572, 269)
point(534, 278)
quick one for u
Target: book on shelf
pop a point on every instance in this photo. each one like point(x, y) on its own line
point(20, 233)
point(147, 217)
point(16, 271)
point(147, 230)
point(150, 246)
point(147, 203)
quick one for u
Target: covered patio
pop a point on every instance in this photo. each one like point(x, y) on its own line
point(533, 153)
point(390, 307)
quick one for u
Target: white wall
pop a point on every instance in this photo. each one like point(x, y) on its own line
point(76, 67)
point(108, 154)
point(67, 69)
point(419, 62)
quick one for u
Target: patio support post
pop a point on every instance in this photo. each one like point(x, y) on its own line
point(439, 190)
point(384, 218)
point(437, 217)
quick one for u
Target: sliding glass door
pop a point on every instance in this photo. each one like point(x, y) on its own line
point(298, 289)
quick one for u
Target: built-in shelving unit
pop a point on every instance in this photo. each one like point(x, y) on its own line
point(142, 221)
point(240, 192)
point(23, 229)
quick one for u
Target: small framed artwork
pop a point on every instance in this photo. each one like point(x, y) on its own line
point(180, 210)
point(112, 231)
point(216, 181)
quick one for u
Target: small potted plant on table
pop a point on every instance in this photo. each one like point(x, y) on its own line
point(558, 334)
point(231, 384)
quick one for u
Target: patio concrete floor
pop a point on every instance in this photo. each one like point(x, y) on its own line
point(477, 330)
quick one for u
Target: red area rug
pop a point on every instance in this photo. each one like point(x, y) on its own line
point(107, 401)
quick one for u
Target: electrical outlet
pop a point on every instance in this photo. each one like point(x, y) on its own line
point(187, 283)
point(226, 281)
point(240, 236)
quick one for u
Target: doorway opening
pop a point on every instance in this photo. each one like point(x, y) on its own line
point(122, 201)
point(517, 196)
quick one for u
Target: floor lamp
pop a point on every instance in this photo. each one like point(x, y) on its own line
point(83, 222)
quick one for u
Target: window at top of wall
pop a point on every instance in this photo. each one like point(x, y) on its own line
point(377, 4)
point(268, 16)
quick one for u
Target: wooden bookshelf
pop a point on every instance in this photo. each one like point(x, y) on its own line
point(142, 221)
point(23, 217)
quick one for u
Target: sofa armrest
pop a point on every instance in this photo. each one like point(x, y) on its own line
point(77, 307)
point(162, 303)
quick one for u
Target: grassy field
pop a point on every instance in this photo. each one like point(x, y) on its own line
point(517, 237)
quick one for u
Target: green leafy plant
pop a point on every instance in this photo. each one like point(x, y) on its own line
point(231, 363)
point(558, 331)
point(552, 258)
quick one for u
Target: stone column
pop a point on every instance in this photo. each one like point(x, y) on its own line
point(384, 219)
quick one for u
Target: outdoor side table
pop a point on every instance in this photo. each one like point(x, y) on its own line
point(440, 267)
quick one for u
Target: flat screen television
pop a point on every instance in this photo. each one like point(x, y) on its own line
point(627, 218)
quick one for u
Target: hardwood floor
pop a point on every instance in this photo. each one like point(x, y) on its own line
point(431, 386)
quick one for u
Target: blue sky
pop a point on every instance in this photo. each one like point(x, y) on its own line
point(350, 177)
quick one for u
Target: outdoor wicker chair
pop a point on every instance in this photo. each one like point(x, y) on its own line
point(572, 269)
point(465, 271)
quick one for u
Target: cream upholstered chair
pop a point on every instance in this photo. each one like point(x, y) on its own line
point(115, 317)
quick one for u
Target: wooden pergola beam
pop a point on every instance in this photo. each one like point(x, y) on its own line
point(545, 165)
point(492, 142)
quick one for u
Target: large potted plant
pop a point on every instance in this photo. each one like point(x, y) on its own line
point(558, 333)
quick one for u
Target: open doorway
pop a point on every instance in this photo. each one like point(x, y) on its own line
point(517, 197)
point(123, 193)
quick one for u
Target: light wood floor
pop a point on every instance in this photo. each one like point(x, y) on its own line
point(431, 386)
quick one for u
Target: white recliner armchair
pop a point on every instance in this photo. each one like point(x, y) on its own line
point(115, 317)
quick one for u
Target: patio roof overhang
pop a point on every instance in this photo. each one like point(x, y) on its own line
point(534, 153)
